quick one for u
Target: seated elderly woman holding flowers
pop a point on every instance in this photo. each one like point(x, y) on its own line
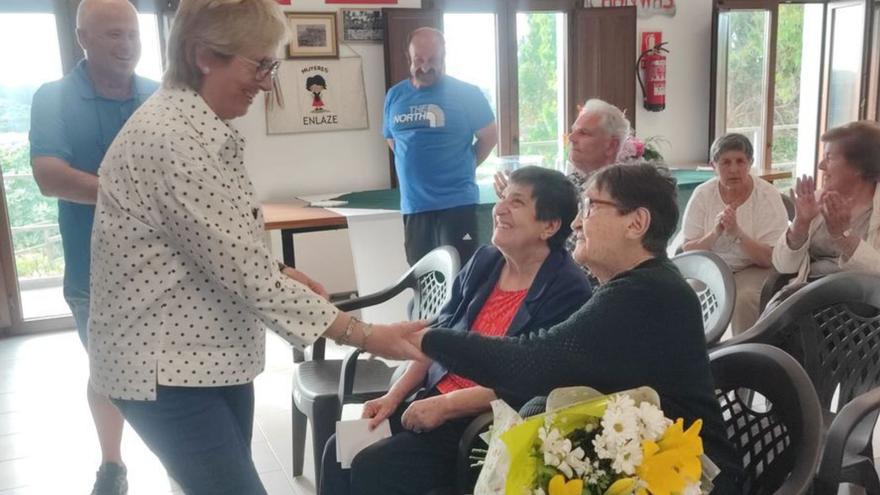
point(738, 217)
point(642, 327)
point(525, 281)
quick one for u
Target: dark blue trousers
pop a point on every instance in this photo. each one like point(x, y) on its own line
point(202, 435)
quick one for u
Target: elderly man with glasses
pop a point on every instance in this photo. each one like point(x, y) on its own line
point(595, 140)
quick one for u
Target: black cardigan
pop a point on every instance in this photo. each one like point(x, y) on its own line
point(643, 327)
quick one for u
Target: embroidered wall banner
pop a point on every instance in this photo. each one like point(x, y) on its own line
point(320, 96)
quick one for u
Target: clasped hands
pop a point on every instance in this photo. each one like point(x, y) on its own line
point(420, 416)
point(725, 222)
point(834, 208)
point(400, 340)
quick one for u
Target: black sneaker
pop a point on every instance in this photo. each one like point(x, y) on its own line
point(110, 480)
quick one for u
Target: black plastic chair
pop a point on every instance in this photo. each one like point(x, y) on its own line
point(832, 327)
point(772, 417)
point(776, 433)
point(775, 280)
point(321, 386)
point(712, 280)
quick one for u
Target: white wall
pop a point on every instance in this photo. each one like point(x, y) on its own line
point(286, 166)
point(685, 121)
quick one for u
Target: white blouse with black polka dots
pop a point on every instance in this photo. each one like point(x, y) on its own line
point(182, 283)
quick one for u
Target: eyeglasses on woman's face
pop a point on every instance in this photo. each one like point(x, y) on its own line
point(587, 204)
point(266, 68)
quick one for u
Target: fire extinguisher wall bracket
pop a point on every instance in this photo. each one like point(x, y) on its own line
point(654, 86)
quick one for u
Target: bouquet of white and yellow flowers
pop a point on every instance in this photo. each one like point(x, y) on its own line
point(591, 444)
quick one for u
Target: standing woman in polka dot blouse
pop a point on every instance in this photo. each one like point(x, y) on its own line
point(183, 285)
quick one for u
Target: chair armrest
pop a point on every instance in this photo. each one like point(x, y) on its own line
point(372, 299)
point(477, 426)
point(346, 374)
point(772, 284)
point(845, 422)
point(314, 352)
point(318, 348)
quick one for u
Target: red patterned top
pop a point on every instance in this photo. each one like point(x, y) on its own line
point(492, 321)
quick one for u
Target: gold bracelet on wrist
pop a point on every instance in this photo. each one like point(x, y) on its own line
point(368, 330)
point(345, 338)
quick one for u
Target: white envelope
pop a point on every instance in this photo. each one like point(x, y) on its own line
point(355, 435)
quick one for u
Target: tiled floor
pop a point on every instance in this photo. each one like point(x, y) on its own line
point(47, 441)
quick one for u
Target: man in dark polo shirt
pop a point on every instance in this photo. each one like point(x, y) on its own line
point(73, 122)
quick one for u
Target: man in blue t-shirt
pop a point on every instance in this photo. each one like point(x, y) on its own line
point(431, 123)
point(73, 122)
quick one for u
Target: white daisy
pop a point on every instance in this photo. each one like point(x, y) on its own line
point(626, 459)
point(652, 421)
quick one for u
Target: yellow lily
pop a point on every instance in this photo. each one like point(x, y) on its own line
point(673, 462)
point(623, 486)
point(558, 486)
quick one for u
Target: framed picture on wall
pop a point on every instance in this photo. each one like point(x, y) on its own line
point(362, 26)
point(313, 35)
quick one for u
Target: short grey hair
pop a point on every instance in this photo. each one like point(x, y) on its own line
point(732, 142)
point(427, 30)
point(228, 27)
point(613, 119)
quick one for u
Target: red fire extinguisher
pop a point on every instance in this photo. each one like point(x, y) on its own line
point(653, 61)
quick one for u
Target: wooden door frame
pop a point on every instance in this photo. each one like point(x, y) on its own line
point(873, 112)
point(11, 304)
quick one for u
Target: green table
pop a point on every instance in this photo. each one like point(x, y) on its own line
point(389, 199)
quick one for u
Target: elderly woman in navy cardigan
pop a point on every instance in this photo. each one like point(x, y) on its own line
point(524, 281)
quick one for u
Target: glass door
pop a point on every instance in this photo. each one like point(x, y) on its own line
point(796, 91)
point(541, 70)
point(845, 46)
point(30, 50)
point(150, 64)
point(742, 82)
point(472, 56)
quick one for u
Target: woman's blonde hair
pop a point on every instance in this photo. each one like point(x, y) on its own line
point(227, 27)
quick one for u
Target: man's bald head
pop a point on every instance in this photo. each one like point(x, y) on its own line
point(426, 51)
point(107, 31)
point(429, 34)
point(91, 12)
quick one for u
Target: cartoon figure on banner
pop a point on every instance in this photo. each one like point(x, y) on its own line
point(316, 84)
point(327, 95)
point(324, 105)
